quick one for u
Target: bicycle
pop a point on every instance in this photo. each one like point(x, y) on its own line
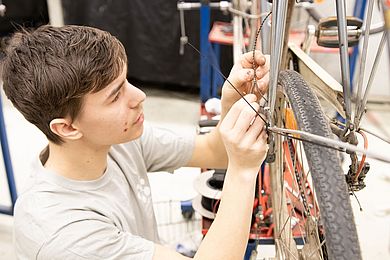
point(309, 191)
point(304, 196)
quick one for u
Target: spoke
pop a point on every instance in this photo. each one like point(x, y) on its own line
point(313, 194)
point(300, 228)
point(285, 246)
point(287, 220)
point(319, 248)
point(301, 151)
point(295, 153)
point(292, 170)
point(278, 247)
point(281, 181)
point(291, 231)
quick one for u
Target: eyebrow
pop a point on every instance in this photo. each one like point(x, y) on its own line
point(116, 90)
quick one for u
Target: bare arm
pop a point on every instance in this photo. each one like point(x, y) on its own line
point(246, 148)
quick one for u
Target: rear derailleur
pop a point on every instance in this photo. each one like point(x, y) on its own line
point(357, 183)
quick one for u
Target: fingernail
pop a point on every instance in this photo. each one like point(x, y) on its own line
point(249, 74)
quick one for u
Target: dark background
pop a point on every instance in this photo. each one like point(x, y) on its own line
point(24, 13)
point(149, 30)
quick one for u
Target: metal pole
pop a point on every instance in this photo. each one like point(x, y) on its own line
point(358, 11)
point(343, 46)
point(363, 61)
point(7, 163)
point(371, 78)
point(205, 68)
point(386, 16)
point(279, 10)
point(266, 30)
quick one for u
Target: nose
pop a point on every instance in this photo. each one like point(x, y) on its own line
point(136, 96)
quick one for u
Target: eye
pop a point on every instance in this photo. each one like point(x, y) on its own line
point(116, 97)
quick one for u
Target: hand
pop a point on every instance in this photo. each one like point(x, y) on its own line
point(242, 74)
point(244, 136)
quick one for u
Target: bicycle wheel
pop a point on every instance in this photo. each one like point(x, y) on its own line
point(312, 216)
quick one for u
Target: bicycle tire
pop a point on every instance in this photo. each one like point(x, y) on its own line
point(336, 217)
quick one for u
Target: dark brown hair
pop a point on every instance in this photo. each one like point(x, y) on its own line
point(47, 72)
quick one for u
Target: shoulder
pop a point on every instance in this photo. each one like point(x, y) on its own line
point(30, 231)
point(165, 136)
point(52, 231)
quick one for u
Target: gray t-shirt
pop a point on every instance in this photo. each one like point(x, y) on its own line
point(108, 218)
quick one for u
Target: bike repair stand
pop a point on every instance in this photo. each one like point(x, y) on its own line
point(210, 79)
point(8, 210)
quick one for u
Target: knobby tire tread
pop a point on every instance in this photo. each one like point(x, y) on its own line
point(328, 178)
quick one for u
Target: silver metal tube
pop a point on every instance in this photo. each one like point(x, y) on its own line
point(183, 37)
point(253, 25)
point(386, 16)
point(266, 30)
point(321, 140)
point(238, 39)
point(279, 10)
point(334, 32)
point(343, 46)
point(363, 60)
point(376, 28)
point(223, 5)
point(182, 24)
point(371, 78)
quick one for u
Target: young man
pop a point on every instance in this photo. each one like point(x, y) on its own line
point(89, 196)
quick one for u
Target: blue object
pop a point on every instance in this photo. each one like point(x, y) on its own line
point(210, 77)
point(205, 68)
point(217, 78)
point(186, 209)
point(249, 249)
point(7, 165)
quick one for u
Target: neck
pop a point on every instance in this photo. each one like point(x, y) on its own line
point(77, 162)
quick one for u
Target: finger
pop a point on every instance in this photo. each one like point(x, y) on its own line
point(231, 117)
point(240, 76)
point(247, 59)
point(254, 130)
point(245, 119)
point(263, 83)
point(261, 71)
point(262, 138)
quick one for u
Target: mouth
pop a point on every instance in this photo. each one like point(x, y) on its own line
point(140, 119)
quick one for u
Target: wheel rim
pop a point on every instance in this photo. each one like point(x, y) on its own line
point(297, 229)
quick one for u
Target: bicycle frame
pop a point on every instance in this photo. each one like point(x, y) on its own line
point(328, 87)
point(338, 95)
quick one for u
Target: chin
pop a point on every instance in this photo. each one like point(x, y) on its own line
point(133, 134)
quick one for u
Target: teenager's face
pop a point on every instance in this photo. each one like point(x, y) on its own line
point(113, 115)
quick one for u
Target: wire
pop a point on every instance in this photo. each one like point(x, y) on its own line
point(231, 84)
point(358, 172)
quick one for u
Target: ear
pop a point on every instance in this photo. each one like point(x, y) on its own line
point(63, 128)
